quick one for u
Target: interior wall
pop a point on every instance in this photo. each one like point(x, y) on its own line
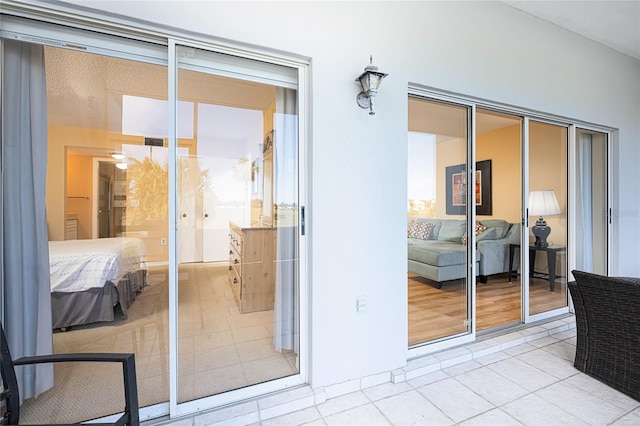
point(59, 138)
point(80, 192)
point(548, 158)
point(356, 193)
point(503, 147)
point(450, 152)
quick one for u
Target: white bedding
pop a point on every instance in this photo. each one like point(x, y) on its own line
point(78, 265)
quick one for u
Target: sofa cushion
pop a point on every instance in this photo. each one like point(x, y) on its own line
point(501, 226)
point(451, 230)
point(437, 253)
point(419, 229)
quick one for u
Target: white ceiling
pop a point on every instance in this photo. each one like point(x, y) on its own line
point(615, 24)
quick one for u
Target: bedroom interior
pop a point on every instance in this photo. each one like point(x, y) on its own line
point(108, 184)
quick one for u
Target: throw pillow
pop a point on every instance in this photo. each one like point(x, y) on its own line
point(418, 229)
point(480, 228)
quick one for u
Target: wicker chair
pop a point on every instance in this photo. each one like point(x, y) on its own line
point(608, 329)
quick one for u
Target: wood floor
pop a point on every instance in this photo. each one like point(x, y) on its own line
point(435, 313)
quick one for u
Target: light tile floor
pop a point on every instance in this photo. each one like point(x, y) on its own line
point(523, 377)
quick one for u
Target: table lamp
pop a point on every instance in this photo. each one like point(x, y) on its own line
point(542, 203)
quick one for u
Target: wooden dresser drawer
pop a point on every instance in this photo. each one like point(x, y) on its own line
point(236, 284)
point(252, 266)
point(235, 241)
point(235, 261)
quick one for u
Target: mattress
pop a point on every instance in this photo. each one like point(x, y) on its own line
point(79, 265)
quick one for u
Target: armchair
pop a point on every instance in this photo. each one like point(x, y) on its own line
point(10, 395)
point(608, 329)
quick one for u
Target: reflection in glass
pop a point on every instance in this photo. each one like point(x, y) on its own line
point(107, 197)
point(548, 147)
point(437, 290)
point(237, 233)
point(499, 295)
point(591, 202)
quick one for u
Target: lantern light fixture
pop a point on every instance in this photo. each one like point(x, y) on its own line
point(370, 81)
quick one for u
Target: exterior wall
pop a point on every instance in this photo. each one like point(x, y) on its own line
point(357, 163)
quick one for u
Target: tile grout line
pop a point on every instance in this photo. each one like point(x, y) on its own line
point(319, 395)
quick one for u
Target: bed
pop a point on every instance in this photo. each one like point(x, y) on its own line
point(90, 278)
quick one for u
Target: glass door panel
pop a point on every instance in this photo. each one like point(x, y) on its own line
point(106, 200)
point(238, 227)
point(547, 248)
point(438, 293)
point(498, 293)
point(592, 214)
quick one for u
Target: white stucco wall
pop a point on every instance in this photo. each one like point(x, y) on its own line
point(357, 163)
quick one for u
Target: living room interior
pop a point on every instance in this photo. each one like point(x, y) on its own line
point(438, 295)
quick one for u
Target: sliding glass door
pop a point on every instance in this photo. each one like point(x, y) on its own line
point(546, 252)
point(184, 237)
point(522, 204)
point(592, 215)
point(438, 255)
point(498, 293)
point(237, 208)
point(106, 197)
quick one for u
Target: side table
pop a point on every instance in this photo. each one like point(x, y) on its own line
point(551, 261)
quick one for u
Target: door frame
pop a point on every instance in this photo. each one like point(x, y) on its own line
point(96, 193)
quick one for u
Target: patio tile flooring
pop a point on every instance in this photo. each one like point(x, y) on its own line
point(515, 378)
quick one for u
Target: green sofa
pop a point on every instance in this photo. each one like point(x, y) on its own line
point(437, 248)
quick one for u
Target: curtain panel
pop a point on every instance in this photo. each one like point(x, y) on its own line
point(25, 262)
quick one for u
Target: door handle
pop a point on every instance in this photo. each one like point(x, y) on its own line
point(184, 215)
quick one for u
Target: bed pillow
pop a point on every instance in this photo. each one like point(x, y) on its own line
point(419, 229)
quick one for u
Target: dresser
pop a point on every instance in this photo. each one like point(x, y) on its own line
point(252, 266)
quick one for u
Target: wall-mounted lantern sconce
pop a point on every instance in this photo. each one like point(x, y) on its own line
point(370, 80)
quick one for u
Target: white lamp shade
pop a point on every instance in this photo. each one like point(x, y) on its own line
point(543, 203)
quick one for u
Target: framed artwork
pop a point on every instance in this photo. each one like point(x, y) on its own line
point(456, 180)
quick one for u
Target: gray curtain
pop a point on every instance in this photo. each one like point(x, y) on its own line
point(286, 191)
point(25, 262)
